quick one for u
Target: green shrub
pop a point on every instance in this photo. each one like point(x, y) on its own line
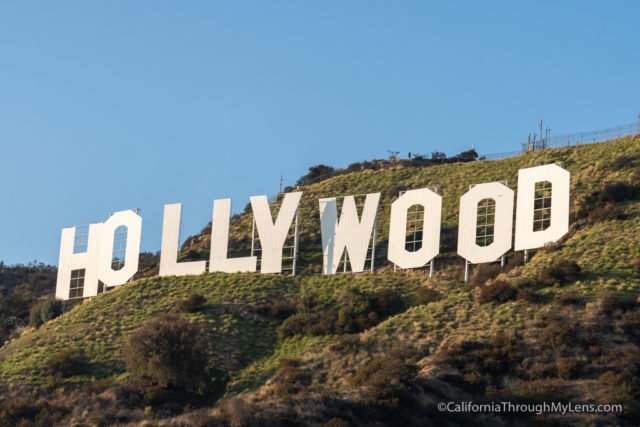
point(316, 173)
point(569, 298)
point(624, 162)
point(43, 311)
point(354, 311)
point(619, 191)
point(426, 295)
point(290, 377)
point(497, 290)
point(516, 260)
point(27, 411)
point(630, 324)
point(386, 379)
point(192, 303)
point(346, 344)
point(51, 309)
point(484, 363)
point(168, 351)
point(482, 273)
point(561, 271)
point(558, 332)
point(611, 303)
point(278, 309)
point(569, 367)
point(606, 212)
point(395, 190)
point(35, 318)
point(529, 296)
point(67, 363)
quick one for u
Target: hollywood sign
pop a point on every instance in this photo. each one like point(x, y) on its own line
point(88, 262)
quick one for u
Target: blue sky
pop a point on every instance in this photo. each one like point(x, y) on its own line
point(110, 105)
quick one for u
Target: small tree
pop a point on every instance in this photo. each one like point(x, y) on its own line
point(168, 351)
point(43, 311)
point(51, 309)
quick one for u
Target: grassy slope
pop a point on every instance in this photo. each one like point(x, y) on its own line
point(246, 345)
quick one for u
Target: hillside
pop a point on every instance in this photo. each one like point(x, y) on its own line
point(283, 353)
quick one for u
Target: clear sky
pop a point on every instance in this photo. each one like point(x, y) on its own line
point(110, 105)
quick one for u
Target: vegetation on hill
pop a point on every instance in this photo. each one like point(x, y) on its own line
point(368, 348)
point(22, 287)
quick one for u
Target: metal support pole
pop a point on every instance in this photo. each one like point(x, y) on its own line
point(466, 271)
point(253, 237)
point(502, 261)
point(295, 244)
point(526, 255)
point(344, 264)
point(373, 245)
point(431, 268)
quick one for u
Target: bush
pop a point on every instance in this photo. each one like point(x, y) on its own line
point(498, 291)
point(168, 351)
point(426, 295)
point(387, 378)
point(35, 318)
point(67, 363)
point(279, 309)
point(51, 309)
point(529, 296)
point(346, 344)
point(558, 333)
point(315, 173)
point(624, 162)
point(395, 190)
point(290, 378)
point(630, 324)
point(611, 303)
point(336, 422)
point(561, 271)
point(234, 412)
point(192, 303)
point(353, 312)
point(619, 191)
point(483, 363)
point(569, 298)
point(26, 411)
point(569, 367)
point(595, 205)
point(606, 212)
point(43, 311)
point(485, 272)
point(514, 261)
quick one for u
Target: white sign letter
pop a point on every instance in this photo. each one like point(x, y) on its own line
point(350, 233)
point(273, 235)
point(537, 223)
point(128, 241)
point(218, 260)
point(78, 260)
point(431, 203)
point(495, 222)
point(169, 265)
